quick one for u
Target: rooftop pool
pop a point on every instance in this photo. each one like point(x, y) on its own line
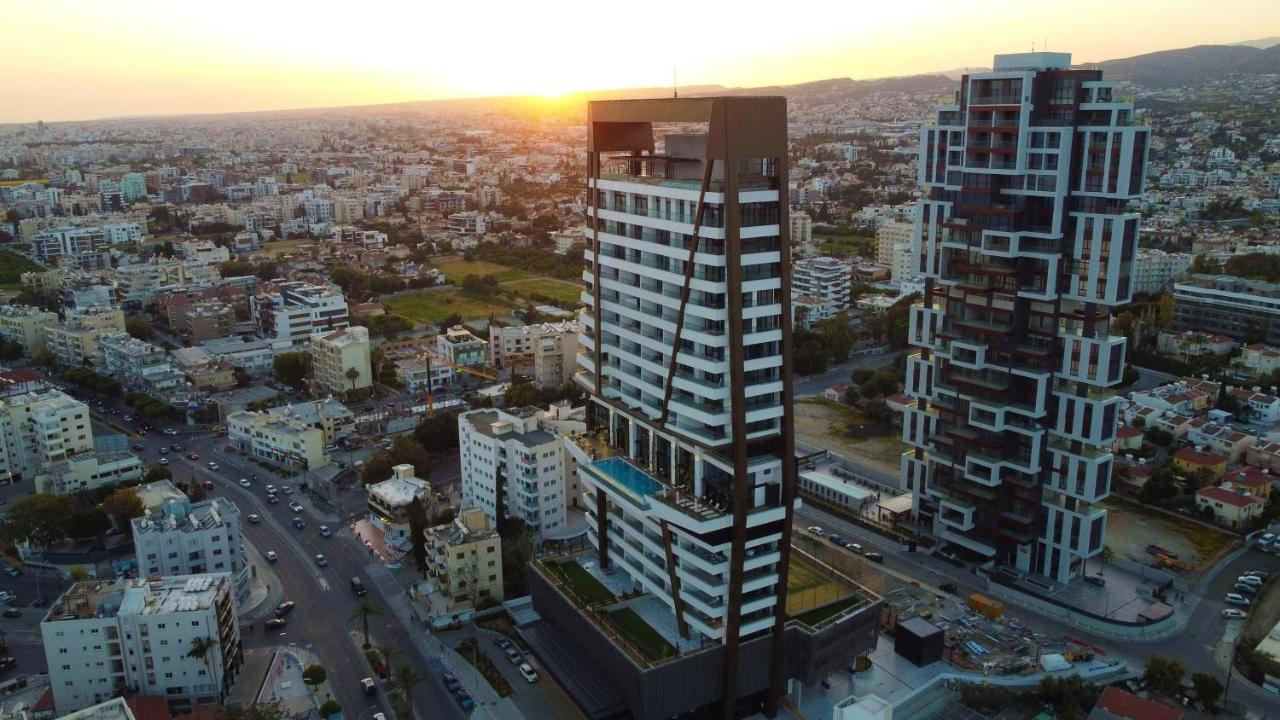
point(628, 475)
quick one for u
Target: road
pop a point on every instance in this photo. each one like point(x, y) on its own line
point(1200, 646)
point(325, 602)
point(811, 385)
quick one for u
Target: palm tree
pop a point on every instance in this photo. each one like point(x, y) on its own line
point(202, 648)
point(363, 612)
point(402, 684)
point(387, 653)
point(352, 374)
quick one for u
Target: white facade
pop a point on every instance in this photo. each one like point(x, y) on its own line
point(1155, 271)
point(511, 444)
point(825, 278)
point(186, 538)
point(39, 429)
point(295, 311)
point(101, 637)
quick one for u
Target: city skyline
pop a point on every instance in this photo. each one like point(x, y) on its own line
point(152, 63)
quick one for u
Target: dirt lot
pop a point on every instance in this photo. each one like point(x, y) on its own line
point(823, 424)
point(1130, 529)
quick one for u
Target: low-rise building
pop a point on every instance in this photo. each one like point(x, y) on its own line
point(334, 357)
point(189, 538)
point(424, 374)
point(542, 352)
point(390, 500)
point(460, 346)
point(283, 441)
point(1257, 360)
point(87, 471)
point(466, 556)
point(333, 419)
point(1189, 344)
point(1230, 507)
point(138, 634)
point(140, 366)
point(1193, 460)
point(1188, 396)
point(207, 320)
point(1220, 439)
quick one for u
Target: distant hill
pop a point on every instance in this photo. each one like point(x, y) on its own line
point(1262, 43)
point(1188, 66)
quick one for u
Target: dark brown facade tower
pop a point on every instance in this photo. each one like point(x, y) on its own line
point(687, 354)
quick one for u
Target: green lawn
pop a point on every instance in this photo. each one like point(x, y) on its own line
point(455, 270)
point(12, 265)
point(639, 633)
point(564, 294)
point(845, 244)
point(588, 588)
point(817, 616)
point(433, 305)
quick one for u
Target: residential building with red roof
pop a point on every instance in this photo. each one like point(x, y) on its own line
point(1230, 507)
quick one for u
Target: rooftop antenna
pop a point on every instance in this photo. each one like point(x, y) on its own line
point(675, 89)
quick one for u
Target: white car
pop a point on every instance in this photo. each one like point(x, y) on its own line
point(213, 466)
point(270, 489)
point(320, 560)
point(170, 431)
point(530, 675)
point(1233, 613)
point(244, 483)
point(1253, 580)
point(1266, 539)
point(1236, 599)
point(271, 556)
point(255, 519)
point(295, 506)
point(815, 530)
point(164, 461)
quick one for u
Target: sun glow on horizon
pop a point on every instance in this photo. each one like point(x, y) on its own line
point(76, 59)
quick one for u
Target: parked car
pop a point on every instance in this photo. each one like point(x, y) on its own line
point(164, 461)
point(513, 655)
point(529, 674)
point(255, 519)
point(1250, 580)
point(321, 560)
point(274, 623)
point(450, 682)
point(1245, 589)
point(176, 447)
point(837, 540)
point(1259, 573)
point(270, 489)
point(164, 451)
point(1236, 599)
point(1233, 613)
point(1266, 539)
point(815, 530)
point(139, 447)
point(874, 557)
point(12, 571)
point(271, 556)
point(285, 608)
point(464, 700)
point(286, 489)
point(12, 612)
point(501, 642)
point(273, 500)
point(369, 685)
point(1095, 580)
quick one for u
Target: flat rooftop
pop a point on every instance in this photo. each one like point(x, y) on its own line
point(136, 596)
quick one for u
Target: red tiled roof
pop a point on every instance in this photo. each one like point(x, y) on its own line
point(1229, 497)
point(148, 707)
point(1189, 455)
point(1124, 432)
point(1131, 707)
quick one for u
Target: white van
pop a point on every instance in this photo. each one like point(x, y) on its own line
point(1253, 580)
point(1236, 599)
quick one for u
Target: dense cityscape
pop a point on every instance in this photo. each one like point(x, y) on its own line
point(946, 396)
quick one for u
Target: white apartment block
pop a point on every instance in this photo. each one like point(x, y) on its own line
point(510, 446)
point(903, 267)
point(186, 538)
point(543, 352)
point(1155, 271)
point(335, 354)
point(827, 279)
point(40, 429)
point(140, 366)
point(75, 340)
point(294, 310)
point(26, 326)
point(102, 637)
point(468, 223)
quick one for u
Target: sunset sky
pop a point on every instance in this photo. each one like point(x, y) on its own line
point(70, 60)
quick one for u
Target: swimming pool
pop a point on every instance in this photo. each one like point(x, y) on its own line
point(629, 476)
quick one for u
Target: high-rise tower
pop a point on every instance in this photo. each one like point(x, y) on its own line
point(689, 469)
point(1026, 245)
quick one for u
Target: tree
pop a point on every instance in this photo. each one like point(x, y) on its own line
point(314, 675)
point(521, 393)
point(140, 328)
point(406, 678)
point(157, 472)
point(352, 374)
point(122, 506)
point(38, 519)
point(256, 711)
point(87, 523)
point(417, 526)
point(291, 368)
point(1208, 689)
point(202, 648)
point(1163, 676)
point(243, 378)
point(329, 708)
point(811, 357)
point(363, 612)
point(438, 433)
point(388, 653)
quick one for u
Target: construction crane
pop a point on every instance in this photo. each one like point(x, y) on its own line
point(431, 401)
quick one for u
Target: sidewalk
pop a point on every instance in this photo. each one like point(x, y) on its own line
point(266, 590)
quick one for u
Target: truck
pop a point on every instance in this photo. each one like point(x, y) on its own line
point(985, 606)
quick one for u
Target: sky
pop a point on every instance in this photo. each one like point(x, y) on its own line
point(85, 59)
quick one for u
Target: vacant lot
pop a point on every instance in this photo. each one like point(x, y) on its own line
point(280, 248)
point(1130, 528)
point(455, 269)
point(432, 305)
point(825, 424)
point(564, 294)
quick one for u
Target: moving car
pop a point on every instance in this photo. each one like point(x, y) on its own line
point(855, 547)
point(286, 489)
point(529, 674)
point(815, 530)
point(295, 506)
point(357, 586)
point(285, 608)
point(320, 560)
point(274, 623)
point(874, 557)
point(837, 540)
point(164, 461)
point(176, 447)
point(12, 571)
point(370, 687)
point(324, 531)
point(164, 450)
point(207, 484)
point(244, 483)
point(1233, 613)
point(299, 523)
point(273, 500)
point(170, 431)
point(139, 447)
point(255, 519)
point(271, 556)
point(12, 612)
point(193, 456)
point(213, 465)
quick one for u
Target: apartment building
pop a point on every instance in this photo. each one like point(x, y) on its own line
point(470, 223)
point(460, 346)
point(41, 428)
point(825, 278)
point(1257, 359)
point(802, 234)
point(389, 503)
point(190, 538)
point(424, 373)
point(891, 235)
point(466, 556)
point(205, 251)
point(100, 467)
point(293, 310)
point(1026, 246)
point(140, 366)
point(687, 461)
point(333, 419)
point(508, 460)
point(101, 637)
point(280, 440)
point(542, 352)
point(1246, 310)
point(26, 325)
point(1156, 271)
point(334, 355)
